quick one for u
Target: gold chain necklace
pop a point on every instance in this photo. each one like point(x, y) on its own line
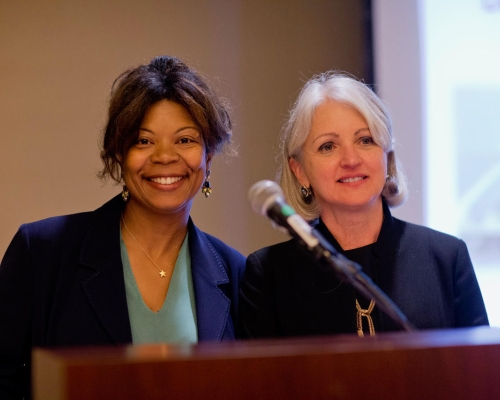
point(365, 313)
point(162, 273)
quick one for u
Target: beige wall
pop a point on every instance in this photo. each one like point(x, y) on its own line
point(59, 58)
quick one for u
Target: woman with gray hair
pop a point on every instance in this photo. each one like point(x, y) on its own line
point(339, 171)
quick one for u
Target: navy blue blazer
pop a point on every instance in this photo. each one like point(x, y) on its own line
point(62, 284)
point(428, 274)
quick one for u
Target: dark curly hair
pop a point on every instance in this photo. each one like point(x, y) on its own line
point(137, 89)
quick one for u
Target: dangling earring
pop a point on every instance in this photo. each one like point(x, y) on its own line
point(206, 188)
point(306, 192)
point(125, 194)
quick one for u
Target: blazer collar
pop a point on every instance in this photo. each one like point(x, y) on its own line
point(105, 287)
point(386, 243)
point(209, 274)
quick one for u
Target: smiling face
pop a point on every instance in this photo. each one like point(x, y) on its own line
point(166, 166)
point(340, 161)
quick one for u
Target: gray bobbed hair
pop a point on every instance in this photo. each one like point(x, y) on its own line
point(348, 90)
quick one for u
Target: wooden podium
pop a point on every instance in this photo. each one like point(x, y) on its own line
point(441, 364)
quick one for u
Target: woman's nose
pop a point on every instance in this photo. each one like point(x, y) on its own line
point(164, 153)
point(350, 157)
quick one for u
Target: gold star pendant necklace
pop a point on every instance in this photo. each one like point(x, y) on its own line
point(162, 273)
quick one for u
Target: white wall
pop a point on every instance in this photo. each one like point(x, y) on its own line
point(399, 79)
point(437, 63)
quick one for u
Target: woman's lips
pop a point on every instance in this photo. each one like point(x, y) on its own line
point(166, 180)
point(350, 180)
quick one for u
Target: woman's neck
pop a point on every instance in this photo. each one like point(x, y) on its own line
point(157, 233)
point(354, 228)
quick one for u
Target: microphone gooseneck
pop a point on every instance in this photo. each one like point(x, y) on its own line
point(267, 199)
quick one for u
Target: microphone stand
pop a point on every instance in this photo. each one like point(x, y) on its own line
point(352, 273)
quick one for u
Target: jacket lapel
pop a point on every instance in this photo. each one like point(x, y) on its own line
point(385, 253)
point(105, 289)
point(212, 305)
point(387, 244)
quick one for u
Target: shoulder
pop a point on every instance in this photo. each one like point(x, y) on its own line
point(210, 245)
point(275, 249)
point(65, 227)
point(223, 248)
point(284, 253)
point(418, 233)
point(55, 227)
point(426, 245)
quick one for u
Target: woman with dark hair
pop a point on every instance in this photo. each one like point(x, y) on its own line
point(339, 171)
point(136, 270)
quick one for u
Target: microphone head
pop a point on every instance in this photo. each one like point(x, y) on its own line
point(263, 194)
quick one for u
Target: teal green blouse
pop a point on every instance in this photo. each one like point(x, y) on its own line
point(175, 322)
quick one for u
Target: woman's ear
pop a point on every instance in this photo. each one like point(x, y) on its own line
point(209, 162)
point(298, 171)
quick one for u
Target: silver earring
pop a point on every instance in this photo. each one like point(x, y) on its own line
point(306, 194)
point(207, 188)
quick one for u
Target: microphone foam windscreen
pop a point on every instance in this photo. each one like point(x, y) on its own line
point(262, 194)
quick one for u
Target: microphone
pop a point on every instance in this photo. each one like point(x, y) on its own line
point(267, 199)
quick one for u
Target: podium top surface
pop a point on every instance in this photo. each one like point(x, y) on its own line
point(339, 344)
point(456, 364)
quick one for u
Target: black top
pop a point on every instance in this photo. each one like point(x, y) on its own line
point(427, 274)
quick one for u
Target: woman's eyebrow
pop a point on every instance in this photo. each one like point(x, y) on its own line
point(336, 135)
point(361, 131)
point(175, 133)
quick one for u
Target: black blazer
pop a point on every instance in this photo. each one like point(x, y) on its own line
point(428, 274)
point(62, 284)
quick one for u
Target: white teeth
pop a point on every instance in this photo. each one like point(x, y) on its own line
point(349, 180)
point(166, 181)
